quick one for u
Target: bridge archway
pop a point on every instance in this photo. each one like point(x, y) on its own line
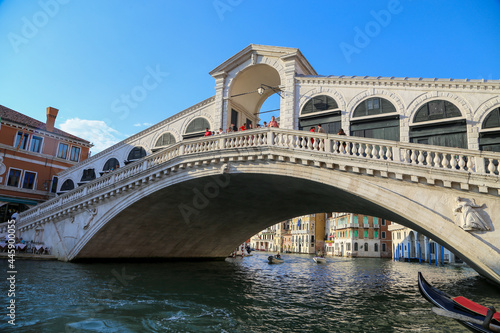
point(248, 91)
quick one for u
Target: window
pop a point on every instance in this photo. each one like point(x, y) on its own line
point(165, 140)
point(366, 246)
point(36, 144)
point(54, 185)
point(111, 164)
point(355, 233)
point(198, 125)
point(21, 140)
point(373, 106)
point(355, 246)
point(75, 154)
point(62, 152)
point(318, 104)
point(29, 180)
point(383, 222)
point(376, 247)
point(383, 234)
point(348, 246)
point(14, 176)
point(435, 110)
point(68, 185)
point(384, 247)
point(375, 220)
point(366, 233)
point(136, 153)
point(375, 234)
point(365, 220)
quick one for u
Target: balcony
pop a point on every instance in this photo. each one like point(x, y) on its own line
point(376, 226)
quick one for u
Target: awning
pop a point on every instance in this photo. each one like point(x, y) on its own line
point(19, 200)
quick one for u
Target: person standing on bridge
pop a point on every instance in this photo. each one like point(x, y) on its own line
point(273, 123)
point(207, 132)
point(320, 129)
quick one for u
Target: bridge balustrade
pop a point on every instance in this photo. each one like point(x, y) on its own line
point(451, 159)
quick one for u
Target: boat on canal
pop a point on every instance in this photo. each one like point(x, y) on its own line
point(475, 317)
point(320, 260)
point(275, 259)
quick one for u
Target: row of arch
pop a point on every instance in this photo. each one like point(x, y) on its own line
point(437, 122)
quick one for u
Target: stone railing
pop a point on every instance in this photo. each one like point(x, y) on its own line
point(392, 152)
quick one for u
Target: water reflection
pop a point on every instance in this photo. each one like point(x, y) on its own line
point(237, 295)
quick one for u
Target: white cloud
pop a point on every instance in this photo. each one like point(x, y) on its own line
point(143, 124)
point(95, 131)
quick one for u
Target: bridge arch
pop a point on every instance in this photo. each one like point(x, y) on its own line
point(245, 98)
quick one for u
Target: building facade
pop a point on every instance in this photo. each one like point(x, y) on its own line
point(410, 245)
point(357, 235)
point(33, 153)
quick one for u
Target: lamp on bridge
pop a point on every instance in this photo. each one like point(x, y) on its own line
point(261, 90)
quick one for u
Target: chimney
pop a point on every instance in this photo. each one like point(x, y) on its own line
point(51, 118)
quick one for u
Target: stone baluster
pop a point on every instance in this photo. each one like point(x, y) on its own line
point(437, 160)
point(374, 151)
point(315, 145)
point(388, 153)
point(461, 162)
point(453, 161)
point(421, 157)
point(367, 150)
point(428, 159)
point(445, 161)
point(491, 166)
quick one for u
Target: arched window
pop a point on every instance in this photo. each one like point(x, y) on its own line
point(87, 175)
point(321, 110)
point(355, 246)
point(366, 246)
point(489, 138)
point(384, 247)
point(319, 104)
point(376, 247)
point(111, 164)
point(379, 120)
point(136, 154)
point(165, 139)
point(68, 185)
point(442, 125)
point(196, 128)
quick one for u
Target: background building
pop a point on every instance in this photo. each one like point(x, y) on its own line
point(410, 245)
point(33, 153)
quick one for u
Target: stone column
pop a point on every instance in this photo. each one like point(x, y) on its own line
point(220, 110)
point(287, 106)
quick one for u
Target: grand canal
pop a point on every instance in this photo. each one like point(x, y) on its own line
point(237, 295)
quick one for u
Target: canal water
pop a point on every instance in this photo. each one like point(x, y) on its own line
point(236, 295)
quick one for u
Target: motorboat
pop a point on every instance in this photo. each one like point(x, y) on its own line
point(475, 317)
point(275, 260)
point(320, 260)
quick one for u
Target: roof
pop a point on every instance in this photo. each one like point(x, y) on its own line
point(22, 119)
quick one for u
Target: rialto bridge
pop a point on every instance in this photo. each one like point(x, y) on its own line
point(420, 152)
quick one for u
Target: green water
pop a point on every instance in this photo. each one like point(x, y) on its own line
point(236, 295)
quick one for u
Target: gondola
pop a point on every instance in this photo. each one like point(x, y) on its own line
point(275, 260)
point(465, 311)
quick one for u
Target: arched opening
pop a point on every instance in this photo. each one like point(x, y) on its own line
point(248, 92)
point(439, 123)
point(270, 108)
point(196, 128)
point(135, 154)
point(110, 165)
point(68, 185)
point(489, 137)
point(375, 118)
point(87, 176)
point(321, 110)
point(165, 140)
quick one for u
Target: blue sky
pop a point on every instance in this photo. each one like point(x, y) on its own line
point(85, 57)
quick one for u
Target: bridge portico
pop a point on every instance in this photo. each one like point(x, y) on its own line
point(202, 197)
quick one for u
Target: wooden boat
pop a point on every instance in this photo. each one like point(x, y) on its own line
point(275, 260)
point(474, 316)
point(319, 260)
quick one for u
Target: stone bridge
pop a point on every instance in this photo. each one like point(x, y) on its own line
point(200, 198)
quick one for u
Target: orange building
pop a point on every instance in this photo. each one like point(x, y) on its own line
point(32, 153)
